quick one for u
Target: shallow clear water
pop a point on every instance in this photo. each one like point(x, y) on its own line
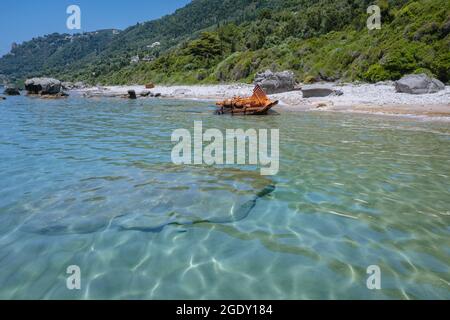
point(90, 183)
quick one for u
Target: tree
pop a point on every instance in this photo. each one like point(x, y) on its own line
point(206, 48)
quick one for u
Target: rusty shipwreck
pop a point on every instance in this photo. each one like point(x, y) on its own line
point(258, 104)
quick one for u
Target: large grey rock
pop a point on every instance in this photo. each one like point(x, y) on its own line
point(43, 86)
point(418, 84)
point(11, 91)
point(317, 90)
point(275, 82)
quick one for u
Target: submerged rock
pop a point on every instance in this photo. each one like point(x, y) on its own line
point(43, 86)
point(275, 82)
point(418, 84)
point(189, 206)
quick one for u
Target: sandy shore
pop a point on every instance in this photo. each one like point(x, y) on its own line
point(378, 98)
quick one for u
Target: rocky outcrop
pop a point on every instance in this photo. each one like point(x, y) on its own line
point(418, 84)
point(318, 90)
point(11, 91)
point(43, 86)
point(275, 82)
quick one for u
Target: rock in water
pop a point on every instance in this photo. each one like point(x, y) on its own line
point(43, 86)
point(418, 84)
point(11, 91)
point(275, 82)
point(132, 94)
point(2, 98)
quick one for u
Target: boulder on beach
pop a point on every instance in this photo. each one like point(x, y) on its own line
point(43, 86)
point(11, 91)
point(418, 84)
point(319, 90)
point(149, 85)
point(132, 94)
point(146, 93)
point(275, 82)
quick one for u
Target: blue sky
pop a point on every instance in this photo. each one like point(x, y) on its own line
point(22, 20)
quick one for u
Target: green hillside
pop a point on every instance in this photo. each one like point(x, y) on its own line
point(53, 54)
point(225, 41)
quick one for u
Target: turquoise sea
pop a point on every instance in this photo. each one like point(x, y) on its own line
point(91, 183)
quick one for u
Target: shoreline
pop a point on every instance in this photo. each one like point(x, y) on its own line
point(376, 99)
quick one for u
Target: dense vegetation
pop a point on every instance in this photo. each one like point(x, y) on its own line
point(53, 54)
point(215, 41)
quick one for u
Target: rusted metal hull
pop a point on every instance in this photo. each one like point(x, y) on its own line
point(247, 111)
point(257, 104)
